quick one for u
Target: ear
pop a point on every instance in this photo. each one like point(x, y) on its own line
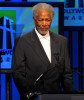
point(34, 20)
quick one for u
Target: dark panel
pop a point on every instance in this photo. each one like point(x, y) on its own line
point(1, 21)
point(70, 48)
point(80, 59)
point(0, 85)
point(7, 24)
point(24, 0)
point(9, 46)
point(81, 3)
point(1, 38)
point(70, 3)
point(7, 0)
point(74, 49)
point(83, 55)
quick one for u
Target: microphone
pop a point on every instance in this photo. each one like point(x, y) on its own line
point(41, 77)
point(38, 78)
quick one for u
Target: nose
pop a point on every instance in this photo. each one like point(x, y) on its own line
point(44, 23)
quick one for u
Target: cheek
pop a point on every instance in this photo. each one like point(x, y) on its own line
point(38, 24)
point(49, 24)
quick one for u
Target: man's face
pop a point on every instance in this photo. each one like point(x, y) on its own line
point(43, 21)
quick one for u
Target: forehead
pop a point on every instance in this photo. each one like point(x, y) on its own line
point(43, 12)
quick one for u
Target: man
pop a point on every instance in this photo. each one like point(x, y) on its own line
point(40, 58)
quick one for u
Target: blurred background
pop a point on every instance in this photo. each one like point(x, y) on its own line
point(16, 19)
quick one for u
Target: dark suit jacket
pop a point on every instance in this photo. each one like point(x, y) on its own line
point(30, 61)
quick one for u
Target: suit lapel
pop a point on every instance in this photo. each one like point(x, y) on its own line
point(39, 49)
point(54, 48)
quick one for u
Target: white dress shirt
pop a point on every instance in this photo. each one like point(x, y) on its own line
point(45, 41)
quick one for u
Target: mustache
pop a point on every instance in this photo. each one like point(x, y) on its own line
point(43, 26)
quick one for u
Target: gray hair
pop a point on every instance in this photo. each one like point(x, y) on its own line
point(42, 6)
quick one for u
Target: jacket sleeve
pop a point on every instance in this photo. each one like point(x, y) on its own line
point(18, 67)
point(67, 81)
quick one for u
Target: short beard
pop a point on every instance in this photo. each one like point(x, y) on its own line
point(43, 33)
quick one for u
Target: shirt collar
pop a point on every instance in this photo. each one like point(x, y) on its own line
point(47, 36)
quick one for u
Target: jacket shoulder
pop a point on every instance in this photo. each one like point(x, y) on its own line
point(28, 34)
point(59, 37)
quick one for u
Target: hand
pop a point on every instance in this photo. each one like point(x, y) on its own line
point(28, 95)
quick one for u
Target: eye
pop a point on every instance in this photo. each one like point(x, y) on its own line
point(48, 20)
point(40, 19)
